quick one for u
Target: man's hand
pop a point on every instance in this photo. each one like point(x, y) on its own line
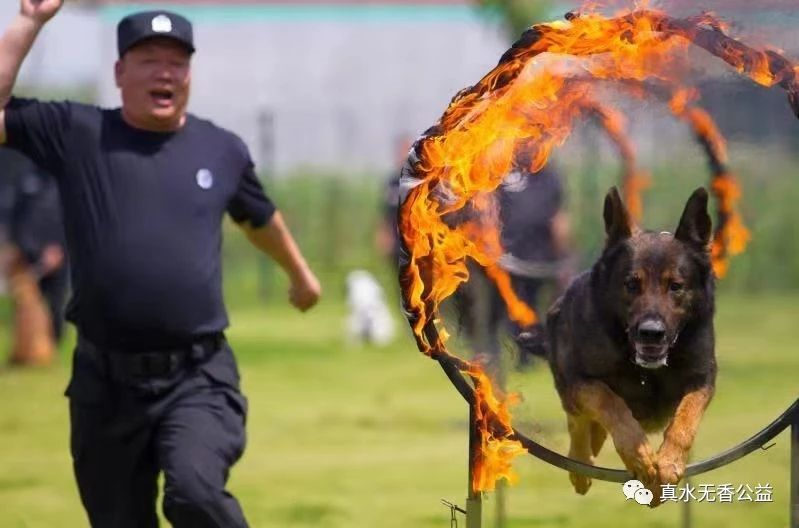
point(275, 240)
point(40, 11)
point(16, 42)
point(305, 291)
point(52, 259)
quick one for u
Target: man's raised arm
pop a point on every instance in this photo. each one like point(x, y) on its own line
point(15, 44)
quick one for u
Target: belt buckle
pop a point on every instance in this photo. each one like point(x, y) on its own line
point(168, 363)
point(159, 364)
point(198, 352)
point(173, 363)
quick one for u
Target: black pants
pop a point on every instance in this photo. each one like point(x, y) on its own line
point(483, 316)
point(527, 290)
point(127, 431)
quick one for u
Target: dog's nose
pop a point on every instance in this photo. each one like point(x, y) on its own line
point(652, 331)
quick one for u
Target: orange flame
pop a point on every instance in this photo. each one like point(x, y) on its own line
point(497, 448)
point(527, 103)
point(634, 181)
point(731, 236)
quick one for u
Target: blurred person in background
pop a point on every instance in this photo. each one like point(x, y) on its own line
point(144, 188)
point(35, 259)
point(387, 240)
point(376, 319)
point(535, 237)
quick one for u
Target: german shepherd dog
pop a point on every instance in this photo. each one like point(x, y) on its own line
point(631, 344)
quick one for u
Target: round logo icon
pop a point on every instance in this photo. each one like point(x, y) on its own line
point(205, 179)
point(635, 490)
point(630, 487)
point(515, 182)
point(162, 24)
point(644, 497)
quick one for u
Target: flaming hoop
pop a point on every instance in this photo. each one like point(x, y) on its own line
point(528, 101)
point(633, 180)
point(731, 235)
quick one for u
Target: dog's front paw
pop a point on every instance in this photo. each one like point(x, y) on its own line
point(580, 453)
point(671, 466)
point(640, 460)
point(581, 483)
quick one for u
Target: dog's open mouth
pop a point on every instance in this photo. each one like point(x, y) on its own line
point(651, 356)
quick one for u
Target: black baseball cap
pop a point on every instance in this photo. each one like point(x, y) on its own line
point(151, 24)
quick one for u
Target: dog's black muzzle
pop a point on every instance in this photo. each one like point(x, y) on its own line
point(650, 332)
point(650, 343)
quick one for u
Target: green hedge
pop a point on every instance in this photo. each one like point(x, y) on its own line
point(334, 217)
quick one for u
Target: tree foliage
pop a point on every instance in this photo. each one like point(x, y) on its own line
point(518, 15)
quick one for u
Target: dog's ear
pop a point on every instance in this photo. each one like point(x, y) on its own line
point(695, 225)
point(618, 225)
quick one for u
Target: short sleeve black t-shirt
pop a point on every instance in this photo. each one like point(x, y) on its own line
point(36, 220)
point(12, 166)
point(528, 204)
point(143, 217)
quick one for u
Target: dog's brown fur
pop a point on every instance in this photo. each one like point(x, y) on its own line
point(631, 345)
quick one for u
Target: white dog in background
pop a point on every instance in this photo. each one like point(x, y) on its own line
point(369, 318)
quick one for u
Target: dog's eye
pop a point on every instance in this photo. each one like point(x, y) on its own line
point(633, 285)
point(675, 286)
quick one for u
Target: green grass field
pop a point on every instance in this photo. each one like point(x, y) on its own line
point(361, 437)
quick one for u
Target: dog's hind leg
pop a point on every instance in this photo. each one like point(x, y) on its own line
point(580, 449)
point(598, 436)
point(679, 435)
point(598, 402)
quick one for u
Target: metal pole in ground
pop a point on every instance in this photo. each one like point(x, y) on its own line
point(794, 499)
point(686, 510)
point(687, 518)
point(500, 517)
point(474, 501)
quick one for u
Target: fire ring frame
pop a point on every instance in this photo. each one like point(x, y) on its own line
point(713, 40)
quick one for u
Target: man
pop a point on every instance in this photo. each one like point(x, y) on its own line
point(38, 232)
point(37, 266)
point(387, 239)
point(154, 386)
point(534, 235)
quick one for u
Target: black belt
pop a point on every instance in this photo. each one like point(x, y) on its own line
point(160, 363)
